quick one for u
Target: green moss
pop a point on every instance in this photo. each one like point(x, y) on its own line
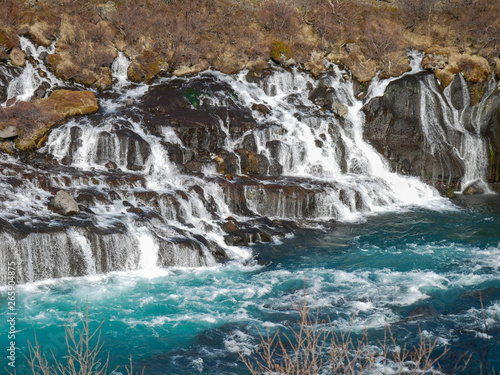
point(193, 96)
point(145, 66)
point(492, 155)
point(279, 49)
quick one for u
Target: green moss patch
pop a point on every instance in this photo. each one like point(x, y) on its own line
point(281, 51)
point(193, 96)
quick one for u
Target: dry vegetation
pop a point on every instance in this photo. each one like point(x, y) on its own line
point(84, 354)
point(30, 122)
point(319, 347)
point(185, 36)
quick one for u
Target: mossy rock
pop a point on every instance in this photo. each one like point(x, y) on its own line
point(474, 68)
point(193, 96)
point(281, 52)
point(145, 66)
point(35, 120)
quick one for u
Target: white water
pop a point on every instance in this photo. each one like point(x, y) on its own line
point(367, 172)
point(119, 68)
point(342, 177)
point(22, 88)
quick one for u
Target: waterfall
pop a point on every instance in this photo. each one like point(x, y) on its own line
point(23, 87)
point(119, 68)
point(456, 126)
point(193, 170)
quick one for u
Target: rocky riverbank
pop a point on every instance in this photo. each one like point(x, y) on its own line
point(190, 164)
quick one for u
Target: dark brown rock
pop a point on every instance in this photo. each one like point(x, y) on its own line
point(261, 108)
point(393, 127)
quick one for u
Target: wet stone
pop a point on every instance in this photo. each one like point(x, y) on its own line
point(64, 204)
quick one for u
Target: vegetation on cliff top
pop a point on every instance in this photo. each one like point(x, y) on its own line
point(187, 36)
point(30, 122)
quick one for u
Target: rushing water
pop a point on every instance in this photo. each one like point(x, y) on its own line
point(413, 269)
point(392, 251)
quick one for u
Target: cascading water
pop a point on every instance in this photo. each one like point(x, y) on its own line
point(188, 171)
point(456, 126)
point(23, 87)
point(119, 68)
point(171, 187)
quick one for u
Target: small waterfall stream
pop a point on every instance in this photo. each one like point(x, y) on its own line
point(23, 87)
point(263, 149)
point(119, 68)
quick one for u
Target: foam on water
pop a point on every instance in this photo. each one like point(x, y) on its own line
point(233, 299)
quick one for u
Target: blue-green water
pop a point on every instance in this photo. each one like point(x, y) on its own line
point(417, 269)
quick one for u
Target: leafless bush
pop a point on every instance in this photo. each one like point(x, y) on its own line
point(279, 16)
point(381, 37)
point(416, 12)
point(84, 348)
point(455, 8)
point(10, 12)
point(318, 347)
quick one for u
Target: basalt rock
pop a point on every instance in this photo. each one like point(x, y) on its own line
point(7, 73)
point(493, 136)
point(340, 109)
point(322, 96)
point(394, 127)
point(475, 187)
point(145, 66)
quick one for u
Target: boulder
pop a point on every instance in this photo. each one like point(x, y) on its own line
point(145, 66)
point(193, 69)
point(340, 109)
point(434, 61)
point(322, 96)
point(17, 57)
point(253, 163)
point(475, 187)
point(64, 204)
point(316, 63)
point(261, 108)
point(282, 54)
point(9, 132)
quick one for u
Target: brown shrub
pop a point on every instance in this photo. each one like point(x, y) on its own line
point(381, 37)
point(10, 12)
point(417, 12)
point(279, 16)
point(455, 8)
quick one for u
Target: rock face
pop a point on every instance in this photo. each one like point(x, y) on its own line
point(7, 73)
point(31, 121)
point(188, 109)
point(493, 134)
point(394, 127)
point(64, 204)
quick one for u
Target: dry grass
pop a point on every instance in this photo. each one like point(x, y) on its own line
point(231, 34)
point(322, 347)
point(84, 351)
